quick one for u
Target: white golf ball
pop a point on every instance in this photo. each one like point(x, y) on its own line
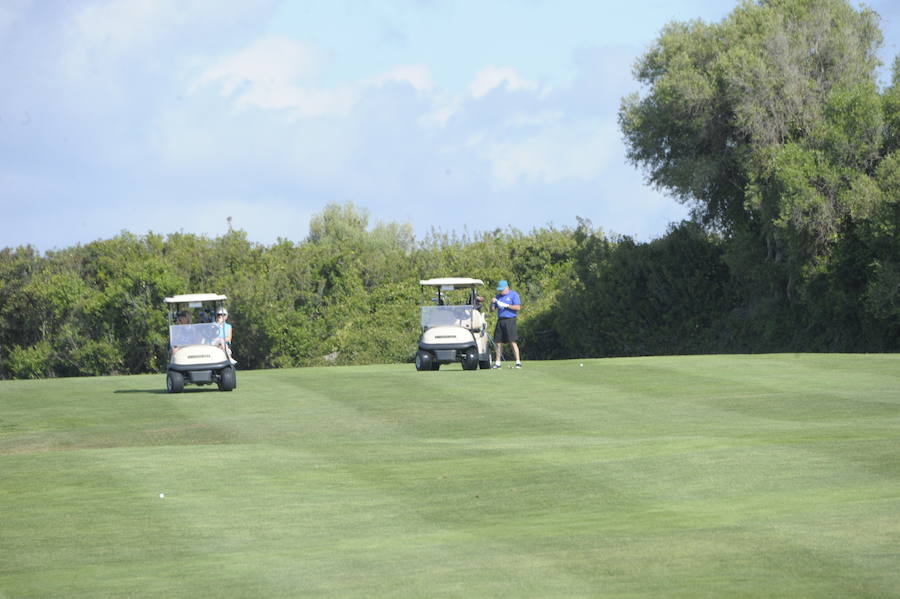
point(581, 364)
point(162, 495)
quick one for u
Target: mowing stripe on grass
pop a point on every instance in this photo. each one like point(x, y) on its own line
point(739, 476)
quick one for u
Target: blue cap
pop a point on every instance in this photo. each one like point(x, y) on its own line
point(502, 285)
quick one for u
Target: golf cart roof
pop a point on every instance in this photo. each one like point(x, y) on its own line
point(194, 297)
point(451, 282)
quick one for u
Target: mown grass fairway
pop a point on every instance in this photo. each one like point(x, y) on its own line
point(725, 476)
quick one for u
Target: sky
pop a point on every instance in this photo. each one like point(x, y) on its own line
point(455, 116)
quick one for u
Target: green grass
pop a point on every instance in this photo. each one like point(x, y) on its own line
point(713, 476)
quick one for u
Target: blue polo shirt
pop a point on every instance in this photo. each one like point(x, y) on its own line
point(511, 298)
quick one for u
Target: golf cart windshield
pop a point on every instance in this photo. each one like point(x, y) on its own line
point(437, 316)
point(193, 334)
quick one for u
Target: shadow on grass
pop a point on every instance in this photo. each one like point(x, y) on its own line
point(164, 392)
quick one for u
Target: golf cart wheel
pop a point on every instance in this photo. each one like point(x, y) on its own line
point(227, 379)
point(484, 364)
point(424, 360)
point(470, 360)
point(174, 382)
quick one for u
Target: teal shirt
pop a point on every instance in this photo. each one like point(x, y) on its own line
point(224, 331)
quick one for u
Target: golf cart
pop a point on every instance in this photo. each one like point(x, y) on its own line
point(198, 354)
point(454, 329)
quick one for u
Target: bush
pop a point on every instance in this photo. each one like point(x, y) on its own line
point(33, 362)
point(95, 358)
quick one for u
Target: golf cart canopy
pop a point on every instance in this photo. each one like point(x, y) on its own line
point(194, 297)
point(448, 283)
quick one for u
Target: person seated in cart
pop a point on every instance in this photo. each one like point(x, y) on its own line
point(225, 328)
point(180, 336)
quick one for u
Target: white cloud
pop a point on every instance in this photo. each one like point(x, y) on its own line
point(490, 78)
point(123, 102)
point(138, 23)
point(574, 150)
point(106, 32)
point(112, 56)
point(274, 61)
point(133, 22)
point(415, 75)
point(277, 73)
point(443, 111)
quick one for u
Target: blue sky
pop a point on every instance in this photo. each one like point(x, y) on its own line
point(454, 115)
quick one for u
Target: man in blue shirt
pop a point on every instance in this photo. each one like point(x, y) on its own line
point(507, 304)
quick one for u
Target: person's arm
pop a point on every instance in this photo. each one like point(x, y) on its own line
point(514, 306)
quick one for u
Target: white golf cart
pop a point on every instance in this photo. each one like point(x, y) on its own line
point(454, 329)
point(198, 354)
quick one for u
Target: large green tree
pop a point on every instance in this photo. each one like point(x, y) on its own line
point(769, 124)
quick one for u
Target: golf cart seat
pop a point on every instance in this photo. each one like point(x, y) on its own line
point(456, 316)
point(446, 316)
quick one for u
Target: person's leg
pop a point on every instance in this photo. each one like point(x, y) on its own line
point(512, 336)
point(499, 340)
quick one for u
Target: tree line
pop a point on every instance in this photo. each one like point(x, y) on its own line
point(770, 125)
point(347, 294)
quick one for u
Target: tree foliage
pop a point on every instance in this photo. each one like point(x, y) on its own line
point(97, 309)
point(769, 124)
